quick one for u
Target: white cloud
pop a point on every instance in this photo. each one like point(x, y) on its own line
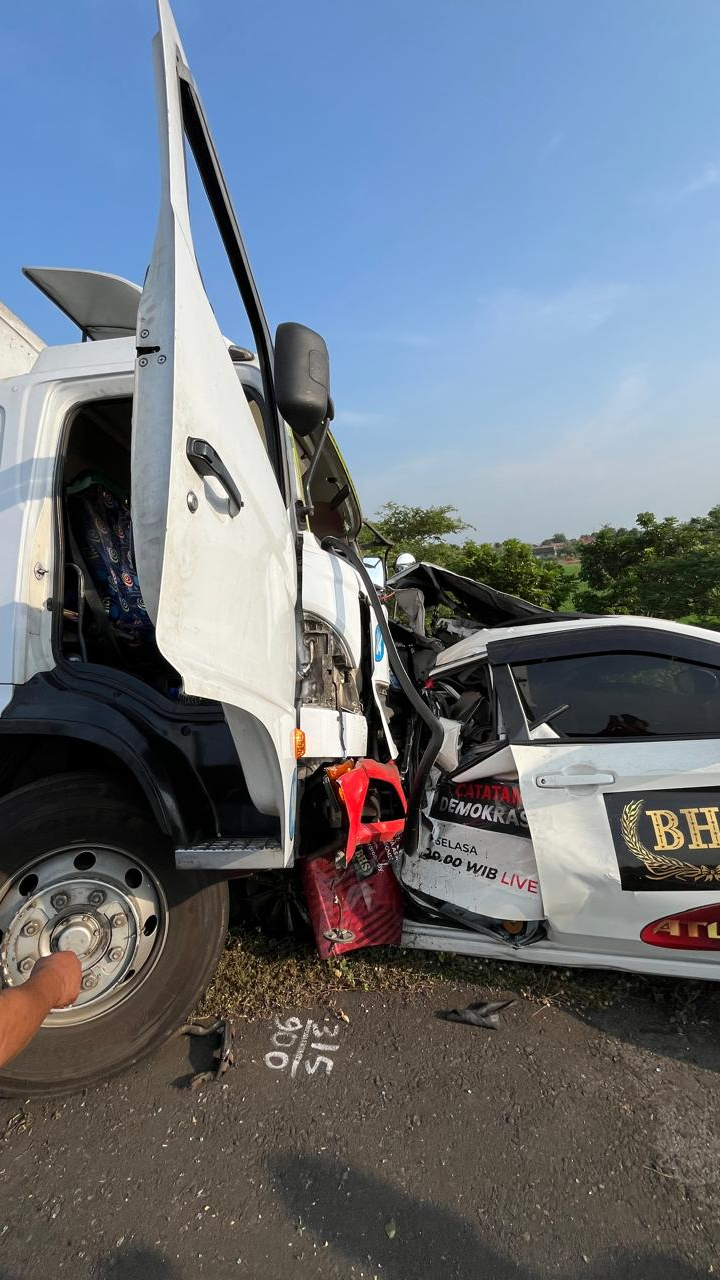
point(707, 179)
point(582, 308)
point(359, 418)
point(650, 445)
point(550, 147)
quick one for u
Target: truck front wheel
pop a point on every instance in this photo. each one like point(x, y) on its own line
point(83, 867)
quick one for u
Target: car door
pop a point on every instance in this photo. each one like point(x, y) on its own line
point(213, 537)
point(615, 732)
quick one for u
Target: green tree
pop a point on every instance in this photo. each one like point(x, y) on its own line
point(660, 568)
point(508, 566)
point(419, 530)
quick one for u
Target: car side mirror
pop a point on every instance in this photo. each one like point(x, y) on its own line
point(302, 378)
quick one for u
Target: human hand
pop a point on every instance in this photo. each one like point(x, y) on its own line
point(61, 975)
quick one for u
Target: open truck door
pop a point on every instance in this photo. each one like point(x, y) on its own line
point(213, 534)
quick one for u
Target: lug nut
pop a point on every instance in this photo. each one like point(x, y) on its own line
point(96, 897)
point(26, 965)
point(89, 981)
point(30, 929)
point(59, 901)
point(118, 921)
point(115, 953)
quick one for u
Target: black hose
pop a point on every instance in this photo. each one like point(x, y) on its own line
point(436, 730)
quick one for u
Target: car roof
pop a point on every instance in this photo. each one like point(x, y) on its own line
point(475, 646)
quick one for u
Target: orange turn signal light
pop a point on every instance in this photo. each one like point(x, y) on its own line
point(299, 743)
point(335, 771)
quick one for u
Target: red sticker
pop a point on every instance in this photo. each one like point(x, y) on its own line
point(695, 930)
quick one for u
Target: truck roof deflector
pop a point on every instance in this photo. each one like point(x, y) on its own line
point(101, 305)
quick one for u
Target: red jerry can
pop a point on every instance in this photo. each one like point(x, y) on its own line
point(349, 910)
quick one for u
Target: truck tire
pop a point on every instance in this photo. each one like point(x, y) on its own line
point(83, 866)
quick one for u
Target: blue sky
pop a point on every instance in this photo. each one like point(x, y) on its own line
point(503, 216)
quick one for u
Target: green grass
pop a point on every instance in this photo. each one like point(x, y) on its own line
point(258, 976)
point(571, 571)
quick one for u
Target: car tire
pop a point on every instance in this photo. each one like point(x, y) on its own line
point(83, 810)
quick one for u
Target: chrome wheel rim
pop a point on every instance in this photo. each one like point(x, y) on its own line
point(99, 901)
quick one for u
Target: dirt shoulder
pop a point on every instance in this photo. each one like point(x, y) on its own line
point(579, 1139)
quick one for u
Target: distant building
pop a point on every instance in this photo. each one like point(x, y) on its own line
point(550, 550)
point(567, 550)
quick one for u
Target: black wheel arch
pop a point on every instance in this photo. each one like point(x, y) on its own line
point(48, 728)
point(67, 746)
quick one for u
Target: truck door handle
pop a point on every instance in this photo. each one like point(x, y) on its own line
point(590, 778)
point(207, 462)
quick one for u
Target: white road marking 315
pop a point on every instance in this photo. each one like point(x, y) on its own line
point(293, 1040)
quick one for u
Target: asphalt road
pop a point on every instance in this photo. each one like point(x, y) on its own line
point(561, 1145)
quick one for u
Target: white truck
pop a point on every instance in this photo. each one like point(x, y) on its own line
point(168, 741)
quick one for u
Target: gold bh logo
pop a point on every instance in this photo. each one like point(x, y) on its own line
point(692, 829)
point(668, 834)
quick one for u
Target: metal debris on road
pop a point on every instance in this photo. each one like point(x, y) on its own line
point(223, 1056)
point(483, 1014)
point(20, 1122)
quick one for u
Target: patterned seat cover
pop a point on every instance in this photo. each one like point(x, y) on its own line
point(102, 527)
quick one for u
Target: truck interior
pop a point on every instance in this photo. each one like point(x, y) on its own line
point(103, 617)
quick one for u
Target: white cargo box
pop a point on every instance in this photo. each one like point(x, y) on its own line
point(19, 346)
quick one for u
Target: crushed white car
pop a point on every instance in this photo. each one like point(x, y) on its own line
point(579, 818)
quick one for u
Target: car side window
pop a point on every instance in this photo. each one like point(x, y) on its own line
point(621, 695)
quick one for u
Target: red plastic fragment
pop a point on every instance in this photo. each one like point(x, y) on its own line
point(353, 788)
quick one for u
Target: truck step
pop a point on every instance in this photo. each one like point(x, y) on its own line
point(247, 854)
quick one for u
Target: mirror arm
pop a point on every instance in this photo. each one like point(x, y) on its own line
point(551, 715)
point(305, 509)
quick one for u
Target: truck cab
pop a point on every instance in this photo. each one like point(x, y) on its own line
point(180, 653)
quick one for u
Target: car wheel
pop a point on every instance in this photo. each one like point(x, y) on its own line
point(275, 905)
point(84, 867)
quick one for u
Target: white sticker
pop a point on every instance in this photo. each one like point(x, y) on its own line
point(486, 872)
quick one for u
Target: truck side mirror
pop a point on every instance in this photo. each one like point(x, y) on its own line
point(302, 378)
point(375, 566)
